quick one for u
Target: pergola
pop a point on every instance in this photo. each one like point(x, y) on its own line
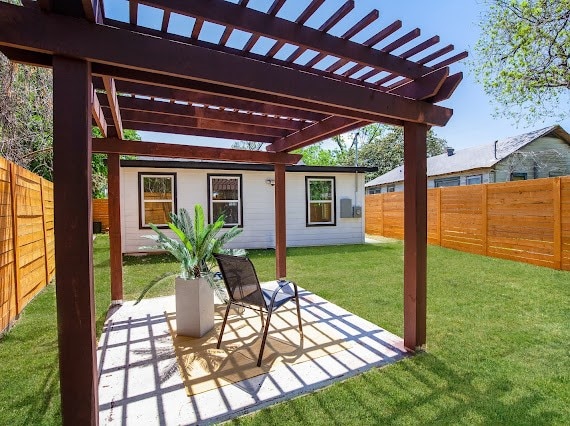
point(289, 85)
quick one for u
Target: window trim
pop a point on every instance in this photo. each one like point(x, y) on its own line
point(447, 179)
point(240, 197)
point(522, 175)
point(141, 175)
point(480, 176)
point(308, 201)
point(391, 188)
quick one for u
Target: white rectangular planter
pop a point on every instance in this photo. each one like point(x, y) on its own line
point(194, 307)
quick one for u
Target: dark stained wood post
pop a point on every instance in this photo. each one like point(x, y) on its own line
point(280, 223)
point(116, 253)
point(415, 234)
point(73, 240)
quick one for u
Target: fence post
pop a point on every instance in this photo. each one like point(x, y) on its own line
point(438, 214)
point(13, 180)
point(557, 213)
point(381, 215)
point(485, 219)
point(45, 232)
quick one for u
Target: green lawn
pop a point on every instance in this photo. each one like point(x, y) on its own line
point(498, 340)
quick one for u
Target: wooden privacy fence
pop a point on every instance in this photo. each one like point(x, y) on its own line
point(27, 261)
point(101, 212)
point(527, 221)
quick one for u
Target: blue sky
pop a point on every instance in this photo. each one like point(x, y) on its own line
point(454, 21)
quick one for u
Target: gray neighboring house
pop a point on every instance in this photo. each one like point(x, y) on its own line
point(538, 154)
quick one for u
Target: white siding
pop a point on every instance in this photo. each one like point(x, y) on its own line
point(258, 207)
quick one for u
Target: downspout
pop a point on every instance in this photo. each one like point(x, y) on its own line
point(355, 143)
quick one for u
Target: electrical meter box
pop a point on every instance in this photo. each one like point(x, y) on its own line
point(357, 211)
point(345, 207)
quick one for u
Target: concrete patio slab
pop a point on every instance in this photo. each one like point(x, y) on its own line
point(139, 381)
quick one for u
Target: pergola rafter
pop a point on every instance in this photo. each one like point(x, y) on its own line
point(123, 75)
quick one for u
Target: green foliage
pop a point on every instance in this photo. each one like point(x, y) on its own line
point(382, 146)
point(316, 155)
point(99, 163)
point(523, 57)
point(26, 123)
point(195, 244)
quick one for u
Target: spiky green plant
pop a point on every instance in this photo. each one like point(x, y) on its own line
point(196, 242)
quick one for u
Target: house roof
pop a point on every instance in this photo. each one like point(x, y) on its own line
point(477, 157)
point(182, 164)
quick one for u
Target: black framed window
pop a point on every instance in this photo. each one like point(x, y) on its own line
point(157, 198)
point(321, 200)
point(391, 188)
point(518, 176)
point(473, 180)
point(225, 197)
point(450, 181)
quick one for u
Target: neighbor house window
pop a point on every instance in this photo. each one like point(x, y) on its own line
point(225, 197)
point(555, 174)
point(391, 188)
point(450, 181)
point(518, 176)
point(320, 201)
point(474, 180)
point(157, 199)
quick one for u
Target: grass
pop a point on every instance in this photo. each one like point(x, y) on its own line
point(498, 340)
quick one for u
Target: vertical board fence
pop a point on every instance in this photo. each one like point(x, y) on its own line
point(27, 255)
point(101, 212)
point(526, 221)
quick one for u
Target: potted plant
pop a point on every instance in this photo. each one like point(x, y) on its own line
point(193, 247)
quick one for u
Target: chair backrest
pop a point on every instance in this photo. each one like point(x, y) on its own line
point(241, 279)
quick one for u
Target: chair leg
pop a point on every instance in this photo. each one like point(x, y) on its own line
point(265, 330)
point(298, 312)
point(224, 325)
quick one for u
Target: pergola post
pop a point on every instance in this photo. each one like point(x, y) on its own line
point(280, 223)
point(415, 234)
point(116, 252)
point(73, 240)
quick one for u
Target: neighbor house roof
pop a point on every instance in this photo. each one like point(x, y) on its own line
point(477, 157)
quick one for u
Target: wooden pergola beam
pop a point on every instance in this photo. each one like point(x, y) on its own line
point(169, 109)
point(249, 20)
point(415, 235)
point(113, 103)
point(193, 96)
point(315, 133)
point(447, 88)
point(203, 124)
point(154, 149)
point(97, 113)
point(424, 87)
point(73, 241)
point(276, 85)
point(189, 131)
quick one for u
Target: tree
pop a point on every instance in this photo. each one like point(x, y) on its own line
point(316, 155)
point(250, 146)
point(523, 57)
point(26, 110)
point(382, 146)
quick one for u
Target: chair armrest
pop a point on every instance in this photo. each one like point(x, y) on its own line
point(283, 285)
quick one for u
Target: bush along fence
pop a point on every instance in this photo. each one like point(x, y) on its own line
point(27, 255)
point(526, 221)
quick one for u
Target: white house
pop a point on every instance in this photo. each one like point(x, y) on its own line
point(324, 204)
point(538, 154)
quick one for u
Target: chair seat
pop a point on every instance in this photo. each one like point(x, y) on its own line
point(280, 300)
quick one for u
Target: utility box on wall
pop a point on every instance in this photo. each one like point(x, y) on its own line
point(357, 211)
point(345, 207)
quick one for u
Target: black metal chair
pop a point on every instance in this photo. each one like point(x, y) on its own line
point(244, 290)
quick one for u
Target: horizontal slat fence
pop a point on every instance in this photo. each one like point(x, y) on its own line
point(101, 212)
point(526, 221)
point(27, 260)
